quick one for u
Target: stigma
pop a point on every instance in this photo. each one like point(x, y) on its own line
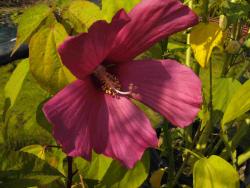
point(109, 83)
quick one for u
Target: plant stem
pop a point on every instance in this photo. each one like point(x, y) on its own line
point(216, 147)
point(170, 154)
point(70, 172)
point(228, 147)
point(179, 172)
point(205, 4)
point(210, 105)
point(188, 51)
point(81, 179)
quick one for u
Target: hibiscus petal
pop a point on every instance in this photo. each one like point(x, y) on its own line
point(83, 53)
point(151, 21)
point(72, 112)
point(85, 119)
point(167, 86)
point(130, 132)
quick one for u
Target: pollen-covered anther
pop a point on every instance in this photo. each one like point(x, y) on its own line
point(110, 84)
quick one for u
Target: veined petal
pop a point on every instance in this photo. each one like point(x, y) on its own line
point(151, 21)
point(165, 85)
point(73, 114)
point(86, 119)
point(130, 132)
point(83, 53)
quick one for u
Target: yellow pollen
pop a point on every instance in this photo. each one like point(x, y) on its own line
point(110, 84)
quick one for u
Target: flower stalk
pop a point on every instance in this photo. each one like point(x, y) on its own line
point(70, 171)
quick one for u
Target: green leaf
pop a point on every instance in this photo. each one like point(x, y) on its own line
point(110, 7)
point(204, 37)
point(29, 22)
point(41, 119)
point(20, 128)
point(239, 104)
point(215, 172)
point(118, 176)
point(54, 157)
point(81, 15)
point(94, 170)
point(15, 83)
point(156, 177)
point(36, 150)
point(18, 169)
point(45, 62)
point(98, 167)
point(235, 10)
point(223, 90)
point(244, 157)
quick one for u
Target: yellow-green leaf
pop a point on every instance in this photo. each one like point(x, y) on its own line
point(215, 172)
point(117, 176)
point(110, 7)
point(14, 85)
point(204, 37)
point(45, 62)
point(54, 157)
point(244, 157)
point(29, 22)
point(223, 90)
point(155, 179)
point(36, 150)
point(81, 15)
point(239, 104)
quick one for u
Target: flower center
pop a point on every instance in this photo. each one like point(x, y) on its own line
point(110, 84)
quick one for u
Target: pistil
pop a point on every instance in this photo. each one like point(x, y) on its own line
point(110, 84)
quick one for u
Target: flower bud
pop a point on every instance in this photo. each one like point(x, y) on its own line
point(233, 47)
point(223, 22)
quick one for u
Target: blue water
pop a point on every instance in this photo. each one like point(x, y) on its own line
point(7, 32)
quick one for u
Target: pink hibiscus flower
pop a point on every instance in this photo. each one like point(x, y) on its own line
point(95, 112)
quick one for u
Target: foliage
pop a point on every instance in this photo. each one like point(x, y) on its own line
point(213, 151)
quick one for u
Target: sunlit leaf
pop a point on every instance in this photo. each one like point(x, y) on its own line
point(204, 37)
point(244, 157)
point(98, 167)
point(155, 179)
point(239, 104)
point(54, 157)
point(223, 90)
point(45, 62)
point(14, 85)
point(215, 172)
point(29, 22)
point(94, 169)
point(20, 128)
point(36, 150)
point(81, 15)
point(118, 176)
point(110, 7)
